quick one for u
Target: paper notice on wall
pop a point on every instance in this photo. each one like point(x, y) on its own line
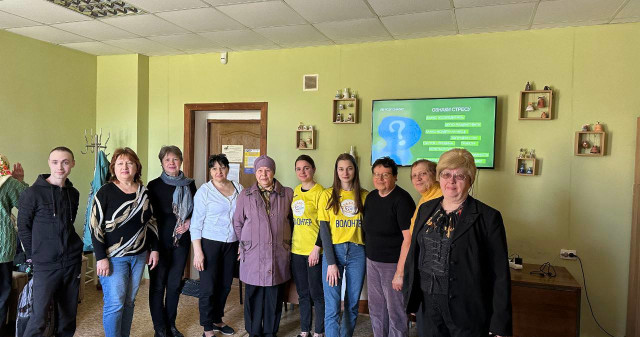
point(250, 156)
point(234, 172)
point(233, 153)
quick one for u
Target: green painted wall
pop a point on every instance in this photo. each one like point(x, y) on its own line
point(575, 202)
point(47, 99)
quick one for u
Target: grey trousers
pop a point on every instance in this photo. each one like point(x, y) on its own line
point(386, 305)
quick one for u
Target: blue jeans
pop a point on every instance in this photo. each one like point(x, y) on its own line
point(120, 289)
point(351, 262)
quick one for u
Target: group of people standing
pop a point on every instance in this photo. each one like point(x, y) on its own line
point(445, 261)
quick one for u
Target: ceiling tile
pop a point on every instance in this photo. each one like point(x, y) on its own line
point(419, 22)
point(95, 30)
point(96, 48)
point(206, 51)
point(423, 35)
point(263, 14)
point(12, 21)
point(166, 5)
point(228, 2)
point(239, 39)
point(185, 41)
point(348, 31)
point(569, 24)
point(480, 3)
point(575, 10)
point(492, 29)
point(331, 10)
point(293, 35)
point(48, 34)
point(395, 7)
point(145, 25)
point(142, 46)
point(630, 10)
point(41, 11)
point(366, 39)
point(495, 16)
point(201, 20)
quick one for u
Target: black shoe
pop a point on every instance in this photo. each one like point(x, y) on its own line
point(225, 330)
point(175, 332)
point(161, 333)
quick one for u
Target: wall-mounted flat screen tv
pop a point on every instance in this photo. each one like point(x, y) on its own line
point(410, 129)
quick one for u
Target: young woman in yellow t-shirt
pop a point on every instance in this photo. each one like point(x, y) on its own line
point(340, 216)
point(306, 247)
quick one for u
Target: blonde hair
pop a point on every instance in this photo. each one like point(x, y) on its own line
point(457, 159)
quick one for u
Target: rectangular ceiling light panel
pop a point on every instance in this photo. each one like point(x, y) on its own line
point(99, 8)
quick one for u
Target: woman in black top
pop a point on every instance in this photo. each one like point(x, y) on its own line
point(124, 236)
point(171, 197)
point(457, 264)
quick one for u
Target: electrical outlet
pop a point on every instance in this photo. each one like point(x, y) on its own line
point(565, 254)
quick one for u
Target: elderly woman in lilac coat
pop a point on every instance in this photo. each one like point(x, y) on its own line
point(262, 222)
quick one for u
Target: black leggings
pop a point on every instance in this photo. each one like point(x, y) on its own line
point(6, 275)
point(165, 286)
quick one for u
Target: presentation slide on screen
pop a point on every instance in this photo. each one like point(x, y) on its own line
point(408, 130)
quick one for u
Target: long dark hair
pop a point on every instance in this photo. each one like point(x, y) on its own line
point(334, 201)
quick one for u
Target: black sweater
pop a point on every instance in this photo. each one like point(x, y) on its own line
point(161, 196)
point(46, 214)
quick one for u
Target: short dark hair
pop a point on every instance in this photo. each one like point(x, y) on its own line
point(128, 152)
point(221, 159)
point(386, 162)
point(306, 158)
point(63, 149)
point(169, 149)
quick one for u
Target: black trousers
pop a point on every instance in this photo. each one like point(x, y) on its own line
point(309, 287)
point(165, 286)
point(215, 280)
point(61, 286)
point(437, 321)
point(262, 309)
point(5, 290)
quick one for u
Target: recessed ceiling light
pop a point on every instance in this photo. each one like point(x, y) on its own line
point(100, 8)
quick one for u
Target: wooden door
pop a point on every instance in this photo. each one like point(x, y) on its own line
point(235, 132)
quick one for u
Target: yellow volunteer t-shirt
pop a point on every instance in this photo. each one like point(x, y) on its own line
point(346, 226)
point(304, 207)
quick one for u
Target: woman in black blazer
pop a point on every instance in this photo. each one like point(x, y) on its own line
point(457, 264)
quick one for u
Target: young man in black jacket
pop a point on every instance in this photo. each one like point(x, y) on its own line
point(46, 213)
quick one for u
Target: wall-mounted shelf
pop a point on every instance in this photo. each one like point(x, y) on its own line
point(349, 112)
point(528, 163)
point(593, 138)
point(306, 139)
point(532, 96)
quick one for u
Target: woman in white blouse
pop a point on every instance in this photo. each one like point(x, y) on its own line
point(215, 246)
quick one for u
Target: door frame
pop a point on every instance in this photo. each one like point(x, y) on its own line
point(190, 124)
point(633, 295)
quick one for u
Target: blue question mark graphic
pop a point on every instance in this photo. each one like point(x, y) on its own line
point(399, 134)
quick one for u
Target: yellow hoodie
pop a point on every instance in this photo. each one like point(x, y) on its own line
point(433, 192)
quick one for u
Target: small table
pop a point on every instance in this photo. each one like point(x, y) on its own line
point(545, 306)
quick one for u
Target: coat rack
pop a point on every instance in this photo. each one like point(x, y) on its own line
point(93, 144)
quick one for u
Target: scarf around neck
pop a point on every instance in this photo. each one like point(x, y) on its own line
point(182, 203)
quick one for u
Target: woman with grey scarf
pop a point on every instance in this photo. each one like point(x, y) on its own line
point(171, 197)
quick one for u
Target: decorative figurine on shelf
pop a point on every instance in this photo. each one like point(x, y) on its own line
point(530, 107)
point(521, 154)
point(527, 153)
point(310, 127)
point(527, 87)
point(302, 144)
point(595, 149)
point(546, 87)
point(338, 118)
point(585, 144)
point(521, 169)
point(541, 102)
point(301, 126)
point(350, 117)
point(309, 142)
point(530, 170)
point(532, 153)
point(350, 104)
point(585, 127)
point(345, 93)
point(544, 115)
point(354, 94)
point(598, 127)
point(338, 96)
point(341, 106)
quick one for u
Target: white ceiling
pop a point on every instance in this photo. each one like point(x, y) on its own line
point(196, 26)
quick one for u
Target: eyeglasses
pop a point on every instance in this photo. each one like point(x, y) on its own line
point(448, 176)
point(384, 176)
